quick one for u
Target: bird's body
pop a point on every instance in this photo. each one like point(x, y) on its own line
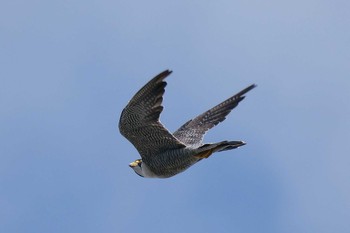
point(169, 163)
point(164, 154)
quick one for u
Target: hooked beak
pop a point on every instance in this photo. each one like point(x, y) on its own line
point(133, 164)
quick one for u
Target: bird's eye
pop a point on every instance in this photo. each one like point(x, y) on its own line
point(139, 164)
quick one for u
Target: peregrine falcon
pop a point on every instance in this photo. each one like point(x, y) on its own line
point(164, 154)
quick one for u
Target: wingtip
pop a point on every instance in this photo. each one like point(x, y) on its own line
point(167, 71)
point(247, 89)
point(161, 76)
point(252, 86)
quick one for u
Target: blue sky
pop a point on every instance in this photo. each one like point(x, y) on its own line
point(69, 67)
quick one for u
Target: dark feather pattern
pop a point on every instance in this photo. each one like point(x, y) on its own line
point(164, 154)
point(139, 121)
point(193, 131)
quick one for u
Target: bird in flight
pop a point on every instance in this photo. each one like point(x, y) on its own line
point(164, 154)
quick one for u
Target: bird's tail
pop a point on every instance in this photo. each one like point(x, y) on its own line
point(208, 149)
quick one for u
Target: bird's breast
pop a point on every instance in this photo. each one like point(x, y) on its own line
point(170, 163)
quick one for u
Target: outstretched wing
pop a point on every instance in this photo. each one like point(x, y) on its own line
point(193, 131)
point(139, 121)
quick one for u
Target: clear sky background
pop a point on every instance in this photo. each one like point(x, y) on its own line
point(68, 68)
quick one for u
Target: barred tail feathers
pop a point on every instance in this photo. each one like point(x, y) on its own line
point(208, 149)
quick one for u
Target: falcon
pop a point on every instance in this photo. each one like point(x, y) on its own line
point(164, 154)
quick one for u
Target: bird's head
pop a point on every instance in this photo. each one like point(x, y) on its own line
point(137, 167)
